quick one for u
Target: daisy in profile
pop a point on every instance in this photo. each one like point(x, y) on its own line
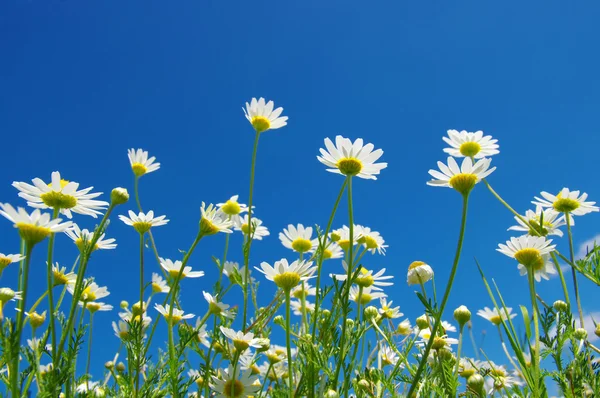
point(341, 236)
point(298, 238)
point(303, 291)
point(388, 356)
point(462, 179)
point(529, 251)
point(298, 309)
point(174, 317)
point(387, 311)
point(61, 195)
point(216, 307)
point(235, 273)
point(259, 231)
point(232, 208)
point(262, 117)
point(143, 222)
point(140, 163)
point(404, 328)
point(365, 296)
point(285, 275)
point(439, 342)
point(418, 272)
point(121, 329)
point(448, 327)
point(541, 270)
point(236, 384)
point(34, 227)
point(566, 201)
point(495, 316)
point(82, 238)
point(174, 268)
point(366, 278)
point(8, 259)
point(351, 159)
point(202, 334)
point(541, 222)
point(240, 340)
point(371, 240)
point(92, 291)
point(214, 220)
point(62, 277)
point(95, 306)
point(159, 285)
point(472, 145)
point(331, 251)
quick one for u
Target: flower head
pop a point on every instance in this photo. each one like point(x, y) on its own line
point(542, 270)
point(214, 220)
point(140, 163)
point(82, 239)
point(298, 238)
point(236, 384)
point(174, 317)
point(262, 116)
point(365, 296)
point(331, 251)
point(62, 277)
point(528, 250)
point(366, 277)
point(495, 316)
point(174, 268)
point(92, 291)
point(159, 285)
point(387, 311)
point(34, 227)
point(259, 231)
point(472, 145)
point(61, 195)
point(541, 222)
point(418, 272)
point(462, 179)
point(371, 240)
point(287, 276)
point(143, 222)
point(232, 207)
point(241, 341)
point(567, 201)
point(341, 236)
point(8, 259)
point(388, 356)
point(216, 307)
point(351, 159)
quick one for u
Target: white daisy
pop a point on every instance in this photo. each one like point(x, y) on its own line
point(62, 277)
point(121, 329)
point(366, 296)
point(174, 268)
point(528, 250)
point(34, 227)
point(129, 317)
point(235, 273)
point(371, 240)
point(351, 159)
point(92, 291)
point(7, 259)
point(303, 290)
point(297, 307)
point(235, 385)
point(61, 194)
point(202, 334)
point(462, 179)
point(214, 220)
point(365, 277)
point(548, 217)
point(418, 272)
point(87, 386)
point(404, 328)
point(140, 163)
point(567, 202)
point(82, 238)
point(298, 238)
point(387, 311)
point(388, 356)
point(95, 306)
point(159, 285)
point(259, 231)
point(287, 276)
point(262, 116)
point(173, 318)
point(341, 236)
point(241, 340)
point(332, 251)
point(466, 368)
point(216, 307)
point(448, 327)
point(542, 270)
point(438, 341)
point(143, 222)
point(467, 144)
point(232, 207)
point(496, 317)
point(7, 294)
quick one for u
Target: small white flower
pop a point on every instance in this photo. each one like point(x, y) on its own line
point(216, 307)
point(243, 384)
point(174, 317)
point(174, 268)
point(232, 207)
point(548, 217)
point(567, 201)
point(448, 327)
point(262, 116)
point(365, 277)
point(439, 341)
point(341, 236)
point(297, 307)
point(62, 277)
point(34, 227)
point(121, 329)
point(544, 270)
point(214, 220)
point(462, 179)
point(82, 238)
point(298, 238)
point(287, 276)
point(529, 251)
point(92, 291)
point(140, 163)
point(259, 231)
point(496, 317)
point(7, 259)
point(202, 334)
point(143, 222)
point(467, 144)
point(241, 340)
point(366, 296)
point(351, 159)
point(387, 311)
point(388, 356)
point(418, 272)
point(159, 285)
point(371, 240)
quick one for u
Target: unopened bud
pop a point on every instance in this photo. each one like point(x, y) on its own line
point(124, 304)
point(475, 382)
point(580, 334)
point(422, 322)
point(36, 320)
point(278, 320)
point(332, 394)
point(462, 315)
point(371, 312)
point(109, 365)
point(597, 331)
point(560, 306)
point(118, 196)
point(120, 367)
point(350, 323)
point(265, 344)
point(363, 384)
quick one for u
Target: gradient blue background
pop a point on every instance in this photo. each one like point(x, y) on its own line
point(84, 81)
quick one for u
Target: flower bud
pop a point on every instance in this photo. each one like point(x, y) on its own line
point(580, 334)
point(560, 306)
point(364, 385)
point(278, 320)
point(350, 323)
point(370, 312)
point(120, 367)
point(138, 308)
point(597, 331)
point(124, 304)
point(332, 394)
point(265, 344)
point(422, 322)
point(118, 196)
point(6, 294)
point(109, 365)
point(36, 320)
point(325, 313)
point(475, 382)
point(462, 315)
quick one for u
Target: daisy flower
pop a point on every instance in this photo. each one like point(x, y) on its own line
point(341, 236)
point(298, 308)
point(471, 145)
point(214, 221)
point(174, 268)
point(332, 251)
point(418, 272)
point(202, 334)
point(365, 277)
point(388, 356)
point(121, 329)
point(7, 294)
point(235, 385)
point(298, 238)
point(276, 354)
point(95, 306)
point(140, 163)
point(366, 296)
point(159, 285)
point(371, 240)
point(240, 340)
point(61, 194)
point(462, 179)
point(34, 227)
point(235, 273)
point(439, 342)
point(87, 386)
point(129, 317)
point(541, 270)
point(404, 328)
point(466, 368)
point(351, 159)
point(287, 276)
point(387, 311)
point(567, 202)
point(45, 369)
point(92, 291)
point(262, 116)
point(216, 307)
point(528, 250)
point(8, 259)
point(448, 327)
point(82, 238)
point(303, 291)
point(143, 222)
point(232, 208)
point(62, 277)
point(173, 318)
point(259, 231)
point(496, 317)
point(548, 217)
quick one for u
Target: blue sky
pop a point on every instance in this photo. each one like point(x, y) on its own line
point(84, 81)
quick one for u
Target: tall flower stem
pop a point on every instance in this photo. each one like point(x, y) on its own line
point(14, 373)
point(248, 241)
point(536, 354)
point(89, 353)
point(459, 349)
point(50, 281)
point(141, 302)
point(288, 342)
point(572, 256)
point(222, 265)
point(172, 355)
point(438, 319)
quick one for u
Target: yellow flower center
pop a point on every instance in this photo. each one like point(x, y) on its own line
point(385, 360)
point(245, 229)
point(93, 307)
point(363, 298)
point(123, 334)
point(273, 358)
point(463, 182)
point(233, 389)
point(260, 123)
point(142, 226)
point(344, 244)
point(139, 169)
point(33, 233)
point(470, 149)
point(59, 278)
point(366, 280)
point(287, 280)
point(530, 258)
point(565, 205)
point(58, 200)
point(213, 308)
point(335, 236)
point(403, 329)
point(175, 273)
point(301, 245)
point(241, 345)
point(300, 293)
point(207, 227)
point(415, 264)
point(4, 262)
point(537, 229)
point(438, 343)
point(36, 320)
point(327, 254)
point(496, 319)
point(173, 319)
point(81, 244)
point(349, 166)
point(498, 372)
point(231, 208)
point(370, 242)
point(88, 294)
point(156, 288)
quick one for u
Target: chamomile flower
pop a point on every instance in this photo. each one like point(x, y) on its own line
point(439, 342)
point(351, 159)
point(341, 236)
point(541, 270)
point(387, 311)
point(92, 291)
point(7, 294)
point(276, 354)
point(285, 275)
point(298, 308)
point(121, 329)
point(418, 272)
point(466, 367)
point(174, 317)
point(472, 145)
point(61, 195)
point(174, 268)
point(241, 341)
point(298, 238)
point(404, 328)
point(259, 231)
point(87, 386)
point(83, 237)
point(216, 307)
point(34, 227)
point(236, 384)
point(529, 251)
point(366, 278)
point(549, 218)
point(331, 251)
point(8, 259)
point(62, 277)
point(462, 179)
point(235, 273)
point(448, 327)
point(262, 116)
point(366, 296)
point(371, 240)
point(140, 163)
point(143, 222)
point(130, 317)
point(303, 291)
point(232, 208)
point(501, 380)
point(495, 316)
point(388, 356)
point(202, 334)
point(95, 306)
point(214, 220)
point(567, 201)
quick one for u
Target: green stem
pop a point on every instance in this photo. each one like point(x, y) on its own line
point(288, 343)
point(141, 302)
point(248, 242)
point(438, 319)
point(562, 278)
point(459, 349)
point(172, 357)
point(575, 284)
point(50, 281)
point(38, 302)
point(222, 265)
point(89, 353)
point(534, 355)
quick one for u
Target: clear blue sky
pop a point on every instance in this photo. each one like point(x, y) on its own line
point(84, 81)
